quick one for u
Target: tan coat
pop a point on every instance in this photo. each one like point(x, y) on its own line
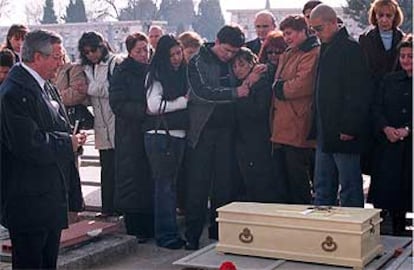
point(292, 103)
point(69, 75)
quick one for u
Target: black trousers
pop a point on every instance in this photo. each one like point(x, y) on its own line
point(139, 224)
point(35, 249)
point(293, 168)
point(210, 172)
point(107, 159)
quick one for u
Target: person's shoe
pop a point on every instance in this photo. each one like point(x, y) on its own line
point(191, 246)
point(142, 239)
point(177, 244)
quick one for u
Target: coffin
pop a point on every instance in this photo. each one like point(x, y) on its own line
point(342, 236)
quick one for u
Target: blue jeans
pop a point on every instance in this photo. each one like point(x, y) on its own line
point(165, 154)
point(332, 170)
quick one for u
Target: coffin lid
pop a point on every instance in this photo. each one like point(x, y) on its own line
point(334, 213)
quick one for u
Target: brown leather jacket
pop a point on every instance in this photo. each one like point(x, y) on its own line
point(293, 95)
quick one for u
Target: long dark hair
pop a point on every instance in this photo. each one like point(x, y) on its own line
point(174, 82)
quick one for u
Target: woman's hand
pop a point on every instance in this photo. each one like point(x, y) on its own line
point(392, 134)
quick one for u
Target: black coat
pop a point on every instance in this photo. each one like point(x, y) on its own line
point(133, 184)
point(40, 181)
point(342, 94)
point(253, 146)
point(378, 59)
point(391, 181)
point(254, 45)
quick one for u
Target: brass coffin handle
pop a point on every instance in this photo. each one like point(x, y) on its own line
point(246, 236)
point(372, 230)
point(329, 244)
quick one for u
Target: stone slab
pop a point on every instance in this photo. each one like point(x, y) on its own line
point(208, 258)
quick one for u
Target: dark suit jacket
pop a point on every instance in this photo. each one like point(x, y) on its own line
point(254, 45)
point(40, 181)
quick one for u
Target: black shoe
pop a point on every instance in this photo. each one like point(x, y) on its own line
point(177, 244)
point(142, 239)
point(191, 246)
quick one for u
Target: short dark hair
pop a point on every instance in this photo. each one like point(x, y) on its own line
point(247, 55)
point(232, 35)
point(7, 58)
point(133, 38)
point(406, 42)
point(310, 5)
point(296, 22)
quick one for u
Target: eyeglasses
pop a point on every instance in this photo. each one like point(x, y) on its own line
point(318, 28)
point(92, 50)
point(262, 26)
point(274, 52)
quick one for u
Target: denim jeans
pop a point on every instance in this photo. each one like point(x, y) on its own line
point(165, 154)
point(332, 170)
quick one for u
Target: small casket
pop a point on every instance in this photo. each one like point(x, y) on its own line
point(343, 236)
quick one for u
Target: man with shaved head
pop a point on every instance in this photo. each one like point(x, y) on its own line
point(264, 22)
point(342, 98)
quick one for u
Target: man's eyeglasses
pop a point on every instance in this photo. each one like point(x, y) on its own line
point(262, 26)
point(92, 50)
point(274, 52)
point(318, 28)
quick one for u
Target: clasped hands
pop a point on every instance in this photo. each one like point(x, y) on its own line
point(395, 134)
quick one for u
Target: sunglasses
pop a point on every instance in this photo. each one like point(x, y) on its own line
point(262, 26)
point(92, 50)
point(318, 28)
point(274, 52)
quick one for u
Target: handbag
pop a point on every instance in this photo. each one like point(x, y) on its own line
point(81, 113)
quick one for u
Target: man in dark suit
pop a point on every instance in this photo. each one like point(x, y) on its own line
point(264, 22)
point(39, 180)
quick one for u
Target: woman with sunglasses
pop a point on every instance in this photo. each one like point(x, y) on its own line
point(253, 148)
point(166, 125)
point(99, 63)
point(273, 46)
point(292, 111)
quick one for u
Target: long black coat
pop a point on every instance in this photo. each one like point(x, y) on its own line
point(40, 181)
point(133, 184)
point(253, 146)
point(342, 94)
point(391, 181)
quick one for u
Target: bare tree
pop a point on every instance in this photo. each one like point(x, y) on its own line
point(4, 8)
point(33, 11)
point(106, 8)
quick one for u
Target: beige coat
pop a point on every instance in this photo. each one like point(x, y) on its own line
point(292, 110)
point(98, 92)
point(68, 76)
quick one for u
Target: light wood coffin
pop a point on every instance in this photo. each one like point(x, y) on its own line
point(339, 235)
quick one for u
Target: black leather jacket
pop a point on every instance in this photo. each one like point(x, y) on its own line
point(205, 90)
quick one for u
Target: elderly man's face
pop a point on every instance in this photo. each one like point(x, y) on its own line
point(47, 65)
point(263, 24)
point(154, 35)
